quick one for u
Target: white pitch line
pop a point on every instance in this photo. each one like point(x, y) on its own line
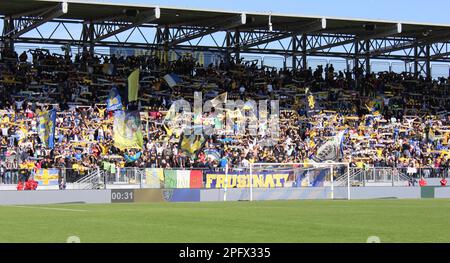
point(52, 208)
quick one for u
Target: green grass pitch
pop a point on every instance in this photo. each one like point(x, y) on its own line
point(426, 220)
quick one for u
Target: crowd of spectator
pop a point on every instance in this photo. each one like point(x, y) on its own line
point(394, 120)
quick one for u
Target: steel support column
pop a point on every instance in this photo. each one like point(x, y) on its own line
point(293, 51)
point(356, 59)
point(367, 62)
point(91, 38)
point(228, 47)
point(166, 36)
point(304, 54)
point(427, 62)
point(237, 46)
point(158, 41)
point(85, 37)
point(361, 57)
point(422, 60)
point(416, 61)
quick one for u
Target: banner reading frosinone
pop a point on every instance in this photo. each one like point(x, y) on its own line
point(242, 180)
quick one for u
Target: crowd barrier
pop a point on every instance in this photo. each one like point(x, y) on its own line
point(213, 179)
point(386, 173)
point(50, 176)
point(194, 179)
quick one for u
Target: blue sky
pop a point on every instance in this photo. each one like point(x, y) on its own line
point(425, 11)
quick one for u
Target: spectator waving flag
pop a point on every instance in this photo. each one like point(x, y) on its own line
point(114, 100)
point(332, 150)
point(46, 128)
point(22, 133)
point(172, 79)
point(192, 143)
point(127, 130)
point(372, 109)
point(311, 103)
point(220, 100)
point(52, 125)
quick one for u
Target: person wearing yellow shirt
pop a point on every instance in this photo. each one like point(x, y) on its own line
point(104, 149)
point(101, 112)
point(379, 152)
point(360, 164)
point(75, 166)
point(5, 119)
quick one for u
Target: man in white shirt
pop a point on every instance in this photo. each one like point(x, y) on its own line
point(245, 163)
point(5, 131)
point(159, 149)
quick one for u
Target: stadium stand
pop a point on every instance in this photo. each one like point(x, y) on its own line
point(64, 110)
point(394, 120)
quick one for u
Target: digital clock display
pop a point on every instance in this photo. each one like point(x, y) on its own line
point(122, 196)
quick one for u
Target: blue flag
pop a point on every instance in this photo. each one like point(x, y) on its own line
point(114, 101)
point(51, 128)
point(172, 79)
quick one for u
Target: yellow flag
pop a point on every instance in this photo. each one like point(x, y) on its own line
point(169, 131)
point(133, 85)
point(219, 100)
point(127, 130)
point(192, 143)
point(23, 134)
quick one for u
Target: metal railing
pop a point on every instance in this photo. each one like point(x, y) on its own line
point(99, 178)
point(93, 180)
point(426, 172)
point(353, 173)
point(384, 176)
point(125, 176)
point(69, 175)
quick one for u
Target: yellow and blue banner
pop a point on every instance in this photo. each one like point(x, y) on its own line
point(22, 133)
point(46, 128)
point(127, 130)
point(114, 101)
point(47, 176)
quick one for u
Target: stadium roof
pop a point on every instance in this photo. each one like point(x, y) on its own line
point(91, 10)
point(292, 36)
